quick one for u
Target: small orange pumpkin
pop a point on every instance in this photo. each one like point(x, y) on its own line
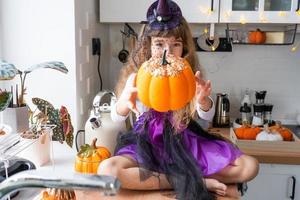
point(257, 37)
point(58, 194)
point(286, 133)
point(247, 132)
point(89, 157)
point(166, 83)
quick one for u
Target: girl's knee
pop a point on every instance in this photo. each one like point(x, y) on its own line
point(109, 167)
point(250, 168)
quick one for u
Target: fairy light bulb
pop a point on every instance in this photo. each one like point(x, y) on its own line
point(205, 30)
point(227, 14)
point(213, 48)
point(262, 18)
point(295, 48)
point(281, 13)
point(298, 12)
point(209, 12)
point(243, 21)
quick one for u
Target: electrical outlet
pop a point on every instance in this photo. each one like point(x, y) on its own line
point(96, 46)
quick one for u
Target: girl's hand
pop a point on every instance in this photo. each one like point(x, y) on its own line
point(127, 100)
point(203, 91)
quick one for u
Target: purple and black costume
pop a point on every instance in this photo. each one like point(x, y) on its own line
point(185, 157)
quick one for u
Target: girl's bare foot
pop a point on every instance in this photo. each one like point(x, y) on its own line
point(215, 186)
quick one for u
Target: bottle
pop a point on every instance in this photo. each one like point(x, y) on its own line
point(268, 113)
point(246, 98)
point(258, 114)
point(246, 114)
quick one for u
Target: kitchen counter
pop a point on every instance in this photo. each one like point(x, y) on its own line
point(266, 153)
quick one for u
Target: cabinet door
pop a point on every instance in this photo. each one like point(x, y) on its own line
point(134, 11)
point(260, 11)
point(280, 11)
point(270, 186)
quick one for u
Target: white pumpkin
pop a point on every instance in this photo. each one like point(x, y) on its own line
point(269, 136)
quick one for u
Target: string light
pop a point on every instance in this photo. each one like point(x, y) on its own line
point(262, 18)
point(295, 48)
point(298, 12)
point(205, 30)
point(209, 12)
point(213, 48)
point(227, 14)
point(281, 13)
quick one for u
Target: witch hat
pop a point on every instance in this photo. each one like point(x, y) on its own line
point(164, 15)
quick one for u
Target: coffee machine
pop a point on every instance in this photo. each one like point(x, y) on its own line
point(221, 118)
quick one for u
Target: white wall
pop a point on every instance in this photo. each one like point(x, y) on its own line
point(272, 68)
point(35, 31)
point(87, 26)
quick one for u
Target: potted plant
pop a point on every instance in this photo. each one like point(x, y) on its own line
point(17, 116)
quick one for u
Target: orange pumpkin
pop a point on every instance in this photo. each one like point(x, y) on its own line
point(166, 83)
point(257, 37)
point(58, 194)
point(89, 157)
point(286, 133)
point(247, 132)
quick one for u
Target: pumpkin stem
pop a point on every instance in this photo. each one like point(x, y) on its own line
point(93, 144)
point(164, 59)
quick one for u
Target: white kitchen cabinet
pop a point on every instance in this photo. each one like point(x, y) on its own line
point(134, 11)
point(259, 11)
point(274, 182)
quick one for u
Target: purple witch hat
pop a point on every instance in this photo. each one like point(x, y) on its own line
point(164, 15)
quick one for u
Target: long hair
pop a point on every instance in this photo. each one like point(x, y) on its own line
point(142, 53)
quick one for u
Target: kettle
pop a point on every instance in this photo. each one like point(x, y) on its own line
point(221, 118)
point(100, 125)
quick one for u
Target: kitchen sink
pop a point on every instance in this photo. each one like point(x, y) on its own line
point(15, 165)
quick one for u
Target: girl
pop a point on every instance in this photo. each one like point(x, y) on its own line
point(170, 150)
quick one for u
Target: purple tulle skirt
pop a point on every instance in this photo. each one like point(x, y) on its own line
point(185, 157)
point(211, 155)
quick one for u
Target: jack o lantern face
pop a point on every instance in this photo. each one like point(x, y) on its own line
point(171, 44)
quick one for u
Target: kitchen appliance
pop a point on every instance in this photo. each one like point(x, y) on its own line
point(100, 125)
point(221, 118)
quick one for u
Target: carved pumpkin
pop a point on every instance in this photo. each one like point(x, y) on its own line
point(247, 132)
point(257, 37)
point(166, 83)
point(89, 157)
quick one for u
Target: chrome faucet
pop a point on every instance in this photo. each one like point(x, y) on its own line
point(41, 179)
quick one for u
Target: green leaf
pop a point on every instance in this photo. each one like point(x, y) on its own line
point(42, 105)
point(7, 71)
point(5, 98)
point(52, 65)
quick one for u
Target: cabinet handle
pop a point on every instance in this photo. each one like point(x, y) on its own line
point(298, 6)
point(212, 5)
point(292, 197)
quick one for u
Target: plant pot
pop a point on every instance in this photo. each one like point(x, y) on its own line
point(38, 151)
point(16, 118)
